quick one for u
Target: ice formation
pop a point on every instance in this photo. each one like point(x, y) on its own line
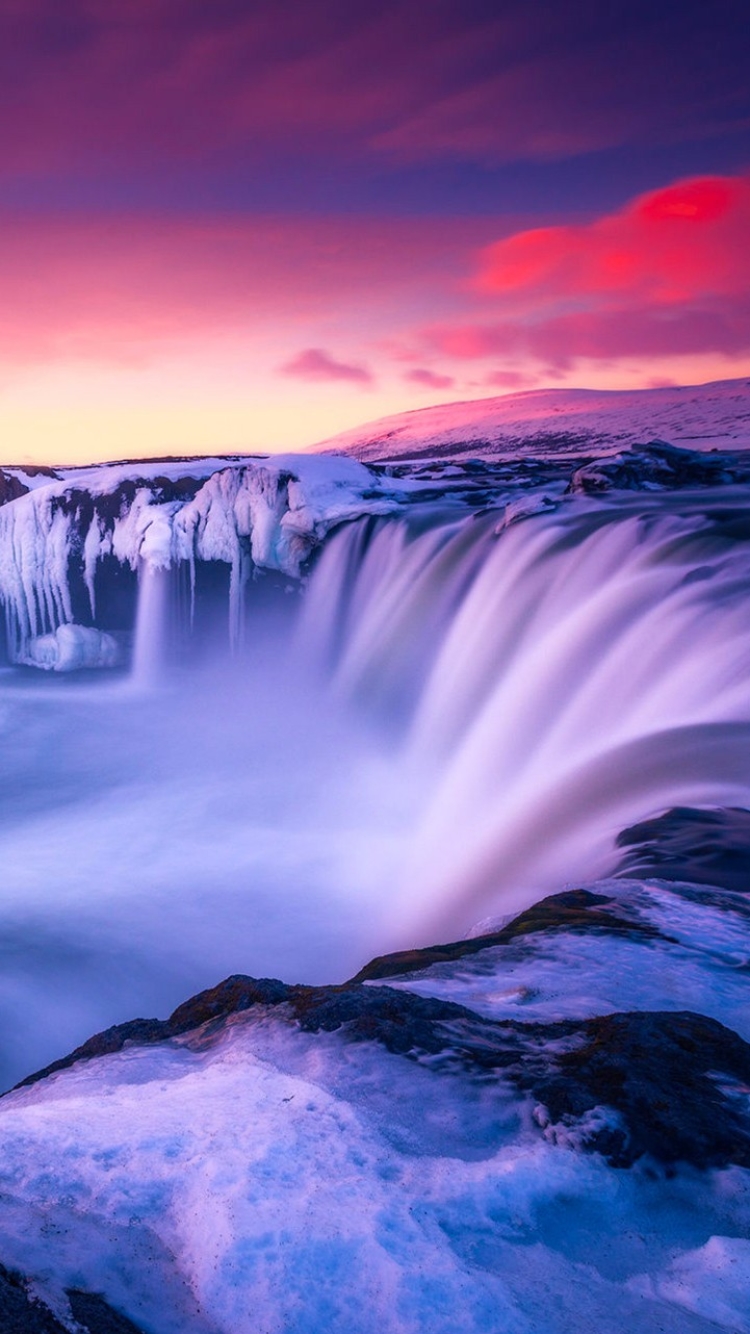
point(266, 515)
point(72, 648)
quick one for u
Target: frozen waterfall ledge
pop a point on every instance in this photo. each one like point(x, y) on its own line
point(72, 648)
point(265, 514)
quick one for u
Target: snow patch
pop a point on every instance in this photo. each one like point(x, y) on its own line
point(561, 421)
point(72, 648)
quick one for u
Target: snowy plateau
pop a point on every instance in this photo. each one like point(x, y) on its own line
point(271, 728)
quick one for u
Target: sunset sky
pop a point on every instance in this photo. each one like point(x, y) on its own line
point(229, 225)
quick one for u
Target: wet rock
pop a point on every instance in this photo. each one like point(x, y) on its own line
point(658, 467)
point(19, 1313)
point(573, 910)
point(96, 1316)
point(677, 1081)
point(703, 847)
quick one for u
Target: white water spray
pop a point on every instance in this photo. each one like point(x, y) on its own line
point(576, 673)
point(152, 625)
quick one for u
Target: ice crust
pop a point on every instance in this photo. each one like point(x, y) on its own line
point(249, 1175)
point(72, 648)
point(269, 514)
point(259, 1172)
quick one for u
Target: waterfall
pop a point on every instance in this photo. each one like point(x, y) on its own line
point(543, 671)
point(558, 679)
point(151, 639)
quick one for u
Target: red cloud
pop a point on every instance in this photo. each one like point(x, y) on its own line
point(429, 379)
point(669, 275)
point(316, 364)
point(686, 242)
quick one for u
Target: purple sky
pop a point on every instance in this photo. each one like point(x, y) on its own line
point(231, 225)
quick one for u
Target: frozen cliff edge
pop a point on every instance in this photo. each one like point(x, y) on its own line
point(268, 514)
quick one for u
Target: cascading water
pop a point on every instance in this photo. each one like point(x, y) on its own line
point(568, 676)
point(456, 710)
point(151, 626)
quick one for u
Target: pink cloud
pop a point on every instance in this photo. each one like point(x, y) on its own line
point(669, 275)
point(428, 379)
point(316, 364)
point(509, 380)
point(558, 341)
point(673, 245)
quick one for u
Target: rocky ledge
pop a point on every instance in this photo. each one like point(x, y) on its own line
point(663, 1085)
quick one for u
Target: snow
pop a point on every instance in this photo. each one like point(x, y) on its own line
point(288, 1183)
point(71, 648)
point(553, 421)
point(268, 514)
point(712, 1280)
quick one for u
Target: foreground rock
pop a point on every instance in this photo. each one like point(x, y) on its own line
point(705, 847)
point(660, 1084)
point(23, 1313)
point(473, 1145)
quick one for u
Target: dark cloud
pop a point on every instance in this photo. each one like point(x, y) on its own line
point(113, 83)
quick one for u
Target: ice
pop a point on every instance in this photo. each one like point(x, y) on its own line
point(72, 648)
point(268, 514)
point(254, 1168)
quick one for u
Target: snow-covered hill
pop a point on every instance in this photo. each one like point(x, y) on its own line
point(553, 421)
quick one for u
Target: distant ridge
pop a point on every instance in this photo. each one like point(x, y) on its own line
point(560, 421)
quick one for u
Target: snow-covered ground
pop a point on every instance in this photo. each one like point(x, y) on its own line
point(553, 421)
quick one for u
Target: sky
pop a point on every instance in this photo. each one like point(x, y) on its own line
point(236, 226)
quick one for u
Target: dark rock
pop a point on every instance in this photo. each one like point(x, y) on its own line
point(573, 910)
point(229, 997)
point(661, 467)
point(400, 1021)
point(669, 1076)
point(703, 847)
point(673, 1080)
point(11, 487)
point(21, 1314)
point(96, 1316)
